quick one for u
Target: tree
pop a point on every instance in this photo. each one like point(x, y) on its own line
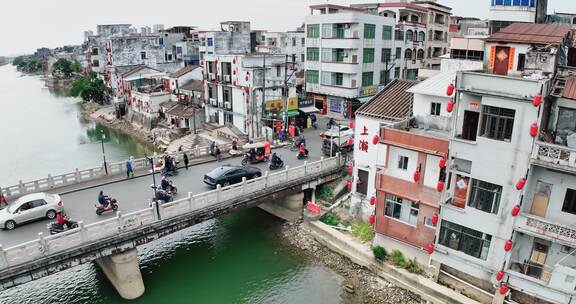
point(65, 67)
point(89, 88)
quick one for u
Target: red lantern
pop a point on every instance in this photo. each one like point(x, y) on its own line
point(533, 130)
point(247, 100)
point(247, 90)
point(435, 219)
point(351, 124)
point(349, 185)
point(515, 210)
point(376, 139)
point(499, 276)
point(372, 201)
point(371, 219)
point(503, 289)
point(450, 106)
point(234, 61)
point(508, 245)
point(246, 78)
point(430, 248)
point(233, 72)
point(349, 169)
point(450, 89)
point(201, 62)
point(416, 176)
point(442, 163)
point(520, 184)
point(440, 186)
point(537, 100)
point(350, 141)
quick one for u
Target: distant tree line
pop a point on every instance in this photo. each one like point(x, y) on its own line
point(28, 64)
point(64, 67)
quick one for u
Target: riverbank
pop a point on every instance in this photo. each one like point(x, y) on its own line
point(361, 285)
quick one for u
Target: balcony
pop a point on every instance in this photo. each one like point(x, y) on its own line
point(540, 226)
point(554, 156)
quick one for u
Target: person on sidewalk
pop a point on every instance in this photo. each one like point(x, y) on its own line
point(186, 160)
point(212, 147)
point(129, 169)
point(217, 152)
point(3, 202)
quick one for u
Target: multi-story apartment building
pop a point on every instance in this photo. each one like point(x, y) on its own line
point(234, 89)
point(506, 12)
point(291, 43)
point(495, 122)
point(234, 37)
point(347, 50)
point(438, 26)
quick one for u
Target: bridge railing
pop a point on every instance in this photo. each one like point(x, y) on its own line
point(105, 229)
point(80, 176)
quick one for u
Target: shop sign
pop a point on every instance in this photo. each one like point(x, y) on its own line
point(305, 103)
point(292, 103)
point(335, 105)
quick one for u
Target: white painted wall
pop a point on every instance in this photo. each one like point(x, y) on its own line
point(432, 172)
point(394, 157)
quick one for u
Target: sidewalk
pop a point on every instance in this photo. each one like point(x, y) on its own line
point(361, 254)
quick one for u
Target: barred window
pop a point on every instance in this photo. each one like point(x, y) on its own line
point(485, 196)
point(497, 123)
point(463, 239)
point(402, 209)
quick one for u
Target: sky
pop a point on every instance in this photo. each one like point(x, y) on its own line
point(29, 24)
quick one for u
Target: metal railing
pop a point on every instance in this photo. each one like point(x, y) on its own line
point(555, 154)
point(79, 176)
point(220, 198)
point(534, 270)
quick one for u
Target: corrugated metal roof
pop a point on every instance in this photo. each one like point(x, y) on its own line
point(570, 88)
point(435, 85)
point(193, 85)
point(393, 103)
point(531, 33)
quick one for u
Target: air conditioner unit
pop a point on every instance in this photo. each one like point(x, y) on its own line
point(220, 104)
point(227, 78)
point(228, 105)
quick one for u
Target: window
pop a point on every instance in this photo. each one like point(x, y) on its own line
point(386, 54)
point(362, 183)
point(387, 32)
point(95, 51)
point(311, 76)
point(313, 31)
point(302, 59)
point(294, 41)
point(384, 77)
point(338, 78)
point(212, 92)
point(38, 203)
point(521, 62)
point(369, 31)
point(401, 209)
point(367, 79)
point(409, 35)
point(95, 63)
point(428, 222)
point(398, 53)
point(497, 123)
point(569, 205)
point(485, 196)
point(278, 71)
point(403, 162)
point(210, 41)
point(143, 55)
point(329, 78)
point(303, 42)
point(421, 36)
point(408, 54)
point(368, 55)
point(313, 54)
point(398, 35)
point(420, 55)
point(463, 239)
point(435, 108)
point(396, 72)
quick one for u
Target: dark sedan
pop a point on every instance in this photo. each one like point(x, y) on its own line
point(228, 175)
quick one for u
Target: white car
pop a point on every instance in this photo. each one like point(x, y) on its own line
point(30, 208)
point(334, 132)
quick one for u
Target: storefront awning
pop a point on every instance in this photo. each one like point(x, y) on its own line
point(310, 109)
point(292, 113)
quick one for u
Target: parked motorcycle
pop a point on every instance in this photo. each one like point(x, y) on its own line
point(54, 228)
point(112, 206)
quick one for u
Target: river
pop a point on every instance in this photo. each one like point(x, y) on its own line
point(238, 258)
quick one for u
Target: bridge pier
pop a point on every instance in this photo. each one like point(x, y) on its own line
point(288, 208)
point(123, 271)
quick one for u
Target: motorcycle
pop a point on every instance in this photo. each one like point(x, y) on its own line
point(302, 156)
point(161, 196)
point(112, 206)
point(276, 165)
point(54, 228)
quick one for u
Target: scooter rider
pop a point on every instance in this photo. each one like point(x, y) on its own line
point(164, 184)
point(103, 199)
point(276, 160)
point(302, 150)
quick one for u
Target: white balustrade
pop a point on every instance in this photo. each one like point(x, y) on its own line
point(108, 228)
point(555, 154)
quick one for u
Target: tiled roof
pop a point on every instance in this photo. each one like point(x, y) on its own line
point(192, 85)
point(181, 110)
point(183, 71)
point(531, 33)
point(394, 103)
point(435, 85)
point(137, 69)
point(570, 88)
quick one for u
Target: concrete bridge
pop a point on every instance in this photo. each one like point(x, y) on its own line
point(112, 242)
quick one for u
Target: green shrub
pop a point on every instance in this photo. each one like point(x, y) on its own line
point(396, 257)
point(379, 252)
point(324, 192)
point(329, 219)
point(413, 266)
point(363, 231)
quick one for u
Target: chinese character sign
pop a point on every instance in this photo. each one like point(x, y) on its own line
point(364, 145)
point(364, 131)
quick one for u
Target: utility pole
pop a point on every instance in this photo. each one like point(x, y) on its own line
point(263, 91)
point(285, 95)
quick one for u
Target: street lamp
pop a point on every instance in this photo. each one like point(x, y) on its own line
point(102, 138)
point(151, 160)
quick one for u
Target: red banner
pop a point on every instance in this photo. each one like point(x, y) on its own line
point(314, 208)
